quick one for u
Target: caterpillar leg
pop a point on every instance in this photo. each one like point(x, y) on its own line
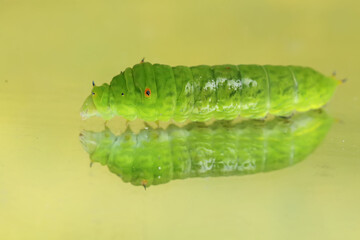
point(287, 116)
point(262, 119)
point(147, 125)
point(106, 125)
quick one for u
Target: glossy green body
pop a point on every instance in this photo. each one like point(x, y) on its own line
point(203, 92)
point(156, 156)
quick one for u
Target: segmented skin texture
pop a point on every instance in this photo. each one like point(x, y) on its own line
point(204, 92)
point(157, 156)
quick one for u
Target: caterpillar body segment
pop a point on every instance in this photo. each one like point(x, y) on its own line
point(159, 92)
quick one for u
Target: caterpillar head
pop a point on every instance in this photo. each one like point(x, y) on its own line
point(97, 103)
point(97, 144)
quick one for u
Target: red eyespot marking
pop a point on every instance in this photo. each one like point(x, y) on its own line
point(227, 67)
point(147, 92)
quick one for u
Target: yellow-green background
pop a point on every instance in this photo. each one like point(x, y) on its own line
point(50, 51)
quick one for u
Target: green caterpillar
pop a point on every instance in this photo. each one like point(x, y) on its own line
point(157, 156)
point(159, 92)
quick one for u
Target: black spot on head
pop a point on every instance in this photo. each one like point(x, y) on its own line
point(93, 93)
point(148, 92)
point(122, 94)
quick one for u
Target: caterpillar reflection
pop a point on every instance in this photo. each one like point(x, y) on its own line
point(160, 92)
point(156, 156)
